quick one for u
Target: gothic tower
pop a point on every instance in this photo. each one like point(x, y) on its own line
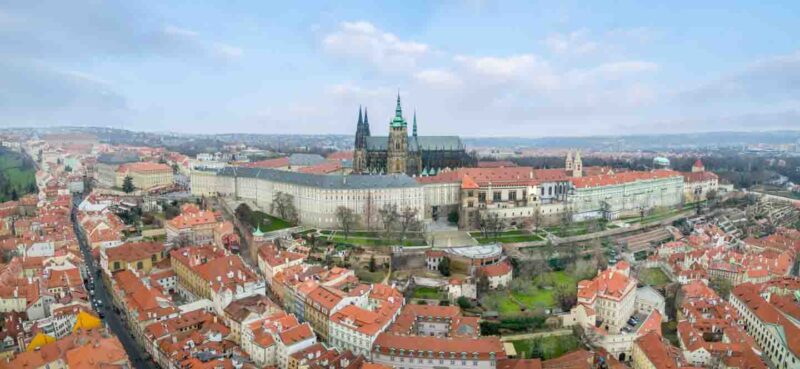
point(397, 149)
point(577, 171)
point(360, 151)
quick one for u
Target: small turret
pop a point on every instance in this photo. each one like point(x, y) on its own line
point(568, 162)
point(577, 171)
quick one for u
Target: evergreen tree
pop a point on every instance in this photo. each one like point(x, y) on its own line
point(372, 266)
point(127, 184)
point(444, 267)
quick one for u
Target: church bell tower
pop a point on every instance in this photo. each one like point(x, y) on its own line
point(397, 149)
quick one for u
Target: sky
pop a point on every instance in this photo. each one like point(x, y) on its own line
point(472, 68)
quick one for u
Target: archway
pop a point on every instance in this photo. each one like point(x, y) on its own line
point(622, 357)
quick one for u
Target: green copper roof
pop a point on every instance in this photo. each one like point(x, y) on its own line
point(398, 120)
point(258, 232)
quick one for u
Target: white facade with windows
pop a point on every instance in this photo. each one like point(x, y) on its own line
point(316, 197)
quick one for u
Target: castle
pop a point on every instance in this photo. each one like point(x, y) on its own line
point(400, 153)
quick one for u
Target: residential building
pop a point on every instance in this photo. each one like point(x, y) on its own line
point(776, 331)
point(138, 256)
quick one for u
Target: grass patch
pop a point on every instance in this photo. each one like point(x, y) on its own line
point(363, 241)
point(17, 175)
point(546, 347)
point(365, 275)
point(428, 293)
point(266, 222)
point(511, 239)
point(653, 277)
point(512, 236)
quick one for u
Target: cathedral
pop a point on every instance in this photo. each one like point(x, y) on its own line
point(400, 153)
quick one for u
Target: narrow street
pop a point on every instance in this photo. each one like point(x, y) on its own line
point(136, 353)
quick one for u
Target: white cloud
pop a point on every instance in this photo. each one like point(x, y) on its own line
point(228, 51)
point(182, 37)
point(610, 71)
point(384, 50)
point(437, 78)
point(171, 30)
point(571, 43)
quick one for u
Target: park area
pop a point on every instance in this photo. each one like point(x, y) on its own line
point(266, 222)
point(370, 238)
point(653, 277)
point(547, 347)
point(533, 295)
point(16, 176)
point(512, 236)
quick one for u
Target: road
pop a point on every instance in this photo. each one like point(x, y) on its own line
point(136, 353)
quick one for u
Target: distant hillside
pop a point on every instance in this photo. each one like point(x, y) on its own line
point(17, 175)
point(643, 142)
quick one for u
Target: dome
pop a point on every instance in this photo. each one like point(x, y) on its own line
point(661, 162)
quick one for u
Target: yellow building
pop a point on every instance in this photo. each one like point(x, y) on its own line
point(138, 256)
point(145, 175)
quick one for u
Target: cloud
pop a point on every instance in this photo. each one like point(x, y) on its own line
point(611, 71)
point(383, 50)
point(182, 40)
point(774, 78)
point(437, 78)
point(574, 43)
point(747, 121)
point(36, 93)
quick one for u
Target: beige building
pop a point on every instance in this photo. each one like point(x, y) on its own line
point(698, 183)
point(316, 196)
point(145, 175)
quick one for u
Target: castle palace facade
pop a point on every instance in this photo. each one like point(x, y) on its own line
point(400, 153)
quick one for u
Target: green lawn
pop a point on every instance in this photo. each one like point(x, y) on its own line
point(266, 222)
point(653, 277)
point(15, 175)
point(512, 236)
point(365, 275)
point(429, 293)
point(548, 347)
point(532, 297)
point(364, 241)
point(537, 297)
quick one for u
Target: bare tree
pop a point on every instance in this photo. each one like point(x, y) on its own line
point(489, 224)
point(565, 297)
point(536, 219)
point(369, 212)
point(389, 216)
point(283, 206)
point(346, 219)
point(408, 221)
point(588, 336)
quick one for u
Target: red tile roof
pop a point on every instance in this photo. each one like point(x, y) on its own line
point(621, 178)
point(413, 345)
point(496, 270)
point(133, 251)
point(768, 313)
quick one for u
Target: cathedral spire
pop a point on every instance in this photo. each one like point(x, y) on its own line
point(398, 111)
point(366, 123)
point(359, 130)
point(414, 130)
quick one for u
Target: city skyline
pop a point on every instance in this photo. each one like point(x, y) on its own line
point(469, 68)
